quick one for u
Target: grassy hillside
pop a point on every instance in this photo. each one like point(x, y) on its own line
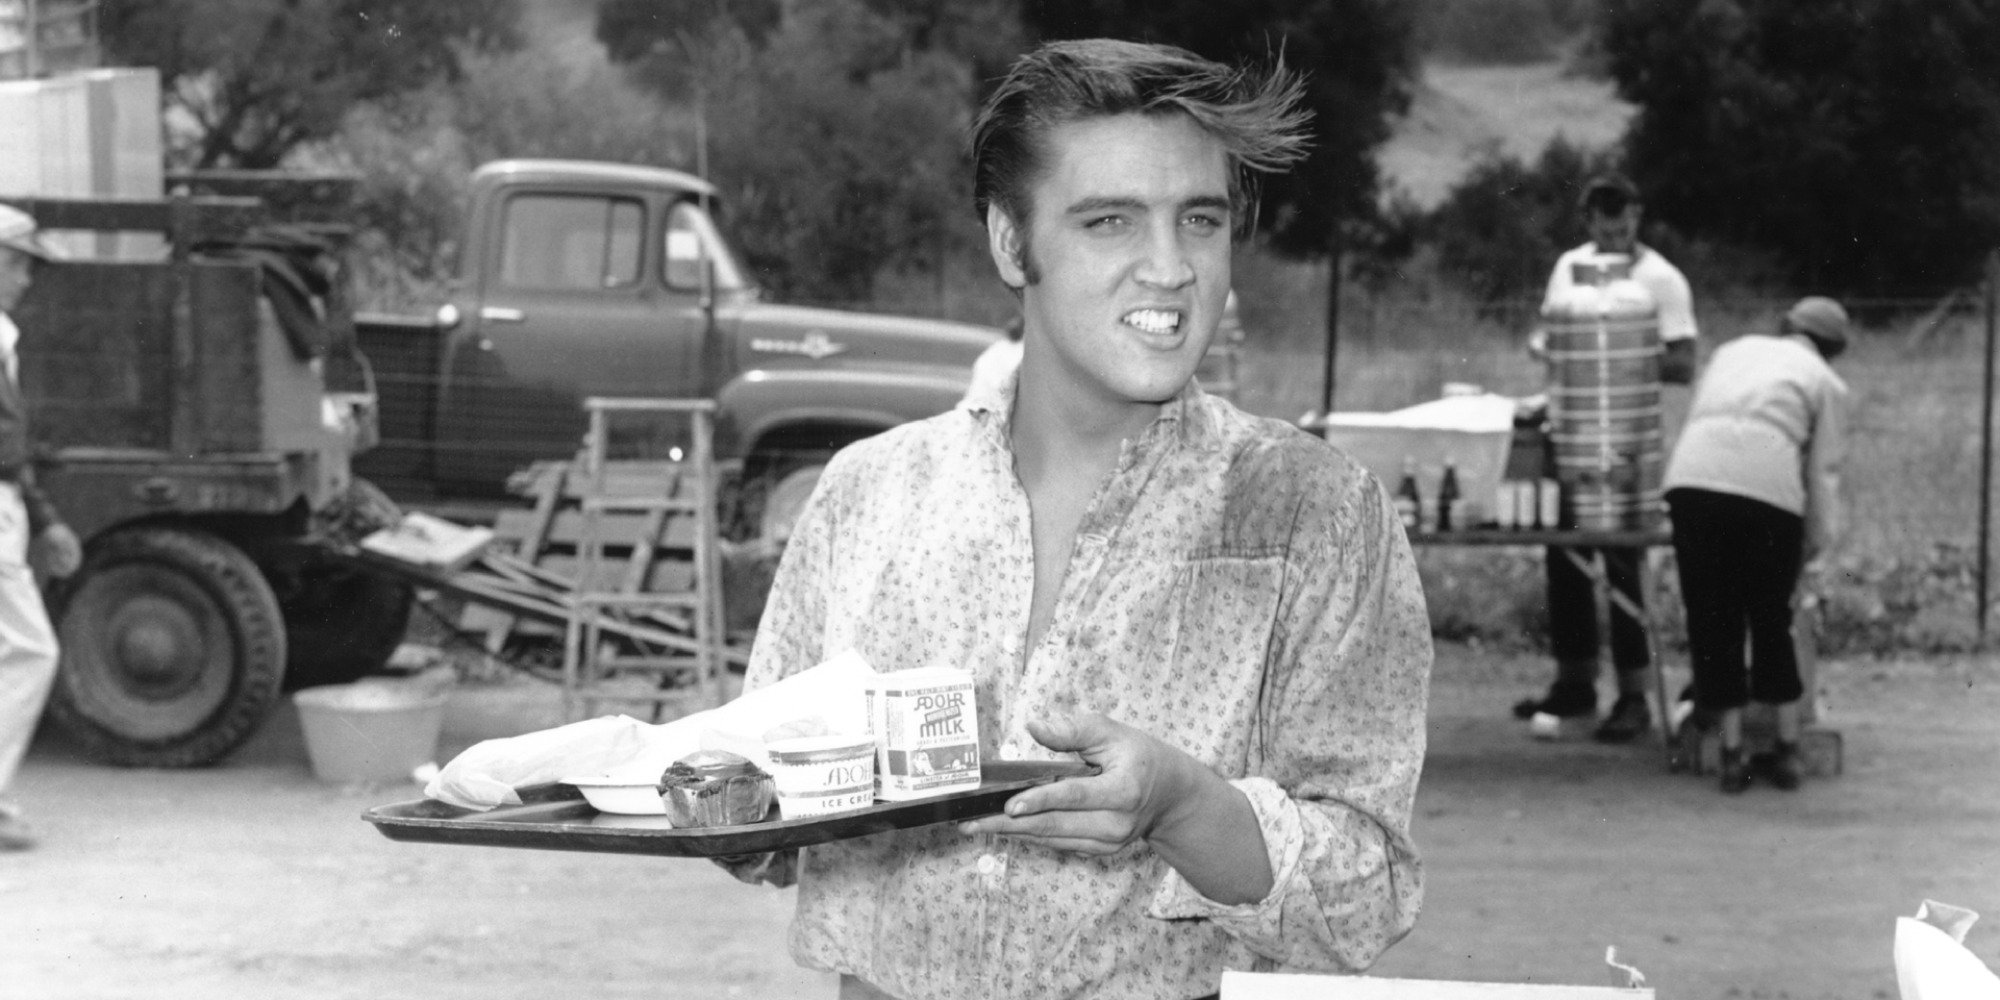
point(1461, 113)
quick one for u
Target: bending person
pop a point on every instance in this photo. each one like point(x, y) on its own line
point(1754, 487)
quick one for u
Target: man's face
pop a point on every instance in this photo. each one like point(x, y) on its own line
point(16, 272)
point(1615, 232)
point(1129, 235)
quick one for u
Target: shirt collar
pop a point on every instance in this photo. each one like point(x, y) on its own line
point(1187, 417)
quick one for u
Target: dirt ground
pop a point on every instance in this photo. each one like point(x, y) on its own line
point(251, 879)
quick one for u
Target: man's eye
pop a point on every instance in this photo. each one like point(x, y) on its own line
point(1106, 223)
point(1203, 222)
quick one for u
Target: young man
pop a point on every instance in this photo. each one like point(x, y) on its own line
point(27, 641)
point(1612, 211)
point(1218, 611)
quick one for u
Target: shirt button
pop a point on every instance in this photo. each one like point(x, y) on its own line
point(988, 864)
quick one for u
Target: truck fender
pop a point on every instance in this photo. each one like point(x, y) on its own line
point(763, 402)
point(784, 424)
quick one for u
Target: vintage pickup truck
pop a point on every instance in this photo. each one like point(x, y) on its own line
point(581, 279)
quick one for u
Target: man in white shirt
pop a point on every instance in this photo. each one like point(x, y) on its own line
point(1612, 211)
point(27, 640)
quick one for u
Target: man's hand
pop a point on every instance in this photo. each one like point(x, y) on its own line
point(1140, 780)
point(57, 550)
point(1145, 789)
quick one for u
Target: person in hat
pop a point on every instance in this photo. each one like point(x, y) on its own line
point(1754, 487)
point(1612, 212)
point(27, 639)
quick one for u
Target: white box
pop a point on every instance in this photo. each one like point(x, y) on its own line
point(1472, 433)
point(94, 134)
point(1295, 986)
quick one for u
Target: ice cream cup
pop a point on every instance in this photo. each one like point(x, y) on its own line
point(823, 775)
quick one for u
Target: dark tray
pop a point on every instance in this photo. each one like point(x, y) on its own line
point(556, 818)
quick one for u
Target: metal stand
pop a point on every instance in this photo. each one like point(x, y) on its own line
point(1569, 541)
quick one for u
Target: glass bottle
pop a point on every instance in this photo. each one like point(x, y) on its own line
point(1448, 499)
point(1409, 502)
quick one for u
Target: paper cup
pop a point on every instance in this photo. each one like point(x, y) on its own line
point(822, 775)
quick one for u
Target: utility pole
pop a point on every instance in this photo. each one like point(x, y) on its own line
point(1986, 440)
point(1336, 262)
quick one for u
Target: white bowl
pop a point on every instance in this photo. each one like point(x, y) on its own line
point(624, 795)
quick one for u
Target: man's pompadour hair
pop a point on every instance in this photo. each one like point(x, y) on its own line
point(1257, 116)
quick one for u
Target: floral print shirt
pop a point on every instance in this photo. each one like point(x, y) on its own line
point(1238, 589)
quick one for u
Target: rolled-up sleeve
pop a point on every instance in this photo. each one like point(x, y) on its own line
point(1335, 766)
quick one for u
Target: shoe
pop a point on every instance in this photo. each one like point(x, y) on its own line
point(1565, 700)
point(1691, 737)
point(1628, 719)
point(1781, 767)
point(15, 834)
point(1735, 772)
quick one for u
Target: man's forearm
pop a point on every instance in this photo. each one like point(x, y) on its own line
point(1677, 362)
point(1212, 838)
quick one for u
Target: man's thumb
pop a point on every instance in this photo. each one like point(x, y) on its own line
point(1070, 734)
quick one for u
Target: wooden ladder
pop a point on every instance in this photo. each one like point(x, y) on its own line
point(604, 663)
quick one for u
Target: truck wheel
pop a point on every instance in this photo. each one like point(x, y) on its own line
point(343, 621)
point(173, 649)
point(785, 501)
point(764, 503)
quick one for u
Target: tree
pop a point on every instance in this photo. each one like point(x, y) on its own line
point(1858, 138)
point(834, 133)
point(254, 79)
point(1503, 224)
point(631, 30)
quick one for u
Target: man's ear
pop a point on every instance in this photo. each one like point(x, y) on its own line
point(1004, 240)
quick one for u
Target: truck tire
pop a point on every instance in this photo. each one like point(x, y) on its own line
point(173, 649)
point(785, 500)
point(343, 621)
point(770, 494)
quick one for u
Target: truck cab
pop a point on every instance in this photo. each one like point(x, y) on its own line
point(581, 279)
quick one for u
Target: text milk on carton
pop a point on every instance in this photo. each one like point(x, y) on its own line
point(926, 728)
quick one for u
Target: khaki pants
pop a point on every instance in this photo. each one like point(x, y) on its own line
point(27, 640)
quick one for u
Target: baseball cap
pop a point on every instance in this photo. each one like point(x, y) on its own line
point(17, 232)
point(1608, 192)
point(1823, 320)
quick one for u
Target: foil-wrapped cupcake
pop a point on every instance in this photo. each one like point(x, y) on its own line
point(716, 788)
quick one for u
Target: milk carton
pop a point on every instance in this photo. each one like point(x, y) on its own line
point(926, 729)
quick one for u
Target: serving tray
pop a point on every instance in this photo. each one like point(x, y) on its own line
point(555, 817)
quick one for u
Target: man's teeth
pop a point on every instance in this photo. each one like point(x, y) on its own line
point(1154, 320)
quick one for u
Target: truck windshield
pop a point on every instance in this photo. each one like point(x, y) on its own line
point(693, 238)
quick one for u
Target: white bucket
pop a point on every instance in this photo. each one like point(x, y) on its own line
point(367, 732)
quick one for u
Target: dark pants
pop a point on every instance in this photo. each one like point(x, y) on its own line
point(1573, 608)
point(1739, 561)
